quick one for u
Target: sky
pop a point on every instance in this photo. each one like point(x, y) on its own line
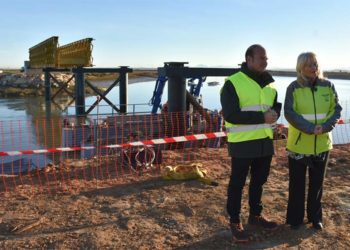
point(210, 33)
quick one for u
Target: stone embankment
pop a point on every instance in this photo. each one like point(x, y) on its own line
point(20, 84)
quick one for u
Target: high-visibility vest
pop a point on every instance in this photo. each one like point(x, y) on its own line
point(316, 107)
point(251, 98)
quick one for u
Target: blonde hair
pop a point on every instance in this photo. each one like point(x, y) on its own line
point(302, 61)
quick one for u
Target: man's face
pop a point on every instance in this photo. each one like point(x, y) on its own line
point(257, 62)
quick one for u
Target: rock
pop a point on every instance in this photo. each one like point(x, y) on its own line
point(21, 81)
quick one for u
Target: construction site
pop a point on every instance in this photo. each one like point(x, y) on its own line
point(95, 180)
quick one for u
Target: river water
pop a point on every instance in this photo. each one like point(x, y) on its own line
point(139, 95)
point(19, 129)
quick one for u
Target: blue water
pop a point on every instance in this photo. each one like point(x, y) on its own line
point(139, 95)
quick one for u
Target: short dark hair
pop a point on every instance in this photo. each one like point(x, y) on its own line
point(251, 50)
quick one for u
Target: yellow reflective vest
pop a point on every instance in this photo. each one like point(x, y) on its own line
point(251, 98)
point(316, 107)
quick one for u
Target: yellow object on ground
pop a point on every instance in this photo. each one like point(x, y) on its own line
point(187, 172)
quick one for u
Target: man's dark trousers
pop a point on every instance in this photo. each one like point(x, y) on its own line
point(259, 171)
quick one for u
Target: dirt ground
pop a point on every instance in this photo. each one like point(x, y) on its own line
point(153, 213)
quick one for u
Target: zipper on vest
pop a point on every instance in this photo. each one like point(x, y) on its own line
point(298, 139)
point(313, 97)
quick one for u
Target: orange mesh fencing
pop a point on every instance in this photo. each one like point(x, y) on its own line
point(70, 154)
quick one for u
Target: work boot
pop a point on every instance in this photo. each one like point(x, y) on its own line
point(258, 220)
point(238, 233)
point(317, 225)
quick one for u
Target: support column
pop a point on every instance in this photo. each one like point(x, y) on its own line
point(79, 92)
point(176, 88)
point(47, 85)
point(123, 89)
point(176, 120)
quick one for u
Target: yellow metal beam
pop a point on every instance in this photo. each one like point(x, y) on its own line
point(44, 54)
point(75, 54)
point(49, 54)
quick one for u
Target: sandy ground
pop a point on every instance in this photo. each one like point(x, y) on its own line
point(153, 213)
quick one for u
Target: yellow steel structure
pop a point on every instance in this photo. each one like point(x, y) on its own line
point(49, 54)
point(75, 54)
point(44, 54)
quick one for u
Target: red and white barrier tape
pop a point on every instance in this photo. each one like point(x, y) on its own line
point(124, 145)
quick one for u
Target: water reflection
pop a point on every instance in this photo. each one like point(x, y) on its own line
point(27, 124)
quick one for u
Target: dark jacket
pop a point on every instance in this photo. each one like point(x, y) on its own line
point(233, 114)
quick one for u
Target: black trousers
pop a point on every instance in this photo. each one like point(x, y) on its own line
point(259, 171)
point(296, 198)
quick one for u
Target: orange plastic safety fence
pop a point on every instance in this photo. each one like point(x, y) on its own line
point(70, 154)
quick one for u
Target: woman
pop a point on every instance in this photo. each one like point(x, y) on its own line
point(311, 107)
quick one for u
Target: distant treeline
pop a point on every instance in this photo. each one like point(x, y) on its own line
point(329, 74)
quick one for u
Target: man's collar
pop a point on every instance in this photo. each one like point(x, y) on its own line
point(261, 78)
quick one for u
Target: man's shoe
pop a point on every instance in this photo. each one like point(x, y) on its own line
point(317, 225)
point(258, 220)
point(238, 233)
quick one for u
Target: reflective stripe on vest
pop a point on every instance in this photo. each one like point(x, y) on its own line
point(256, 107)
point(311, 117)
point(251, 127)
point(246, 128)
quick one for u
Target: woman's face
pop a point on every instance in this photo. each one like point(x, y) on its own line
point(310, 69)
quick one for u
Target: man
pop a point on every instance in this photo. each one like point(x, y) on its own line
point(250, 108)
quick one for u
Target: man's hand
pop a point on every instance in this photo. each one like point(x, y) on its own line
point(270, 116)
point(318, 130)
